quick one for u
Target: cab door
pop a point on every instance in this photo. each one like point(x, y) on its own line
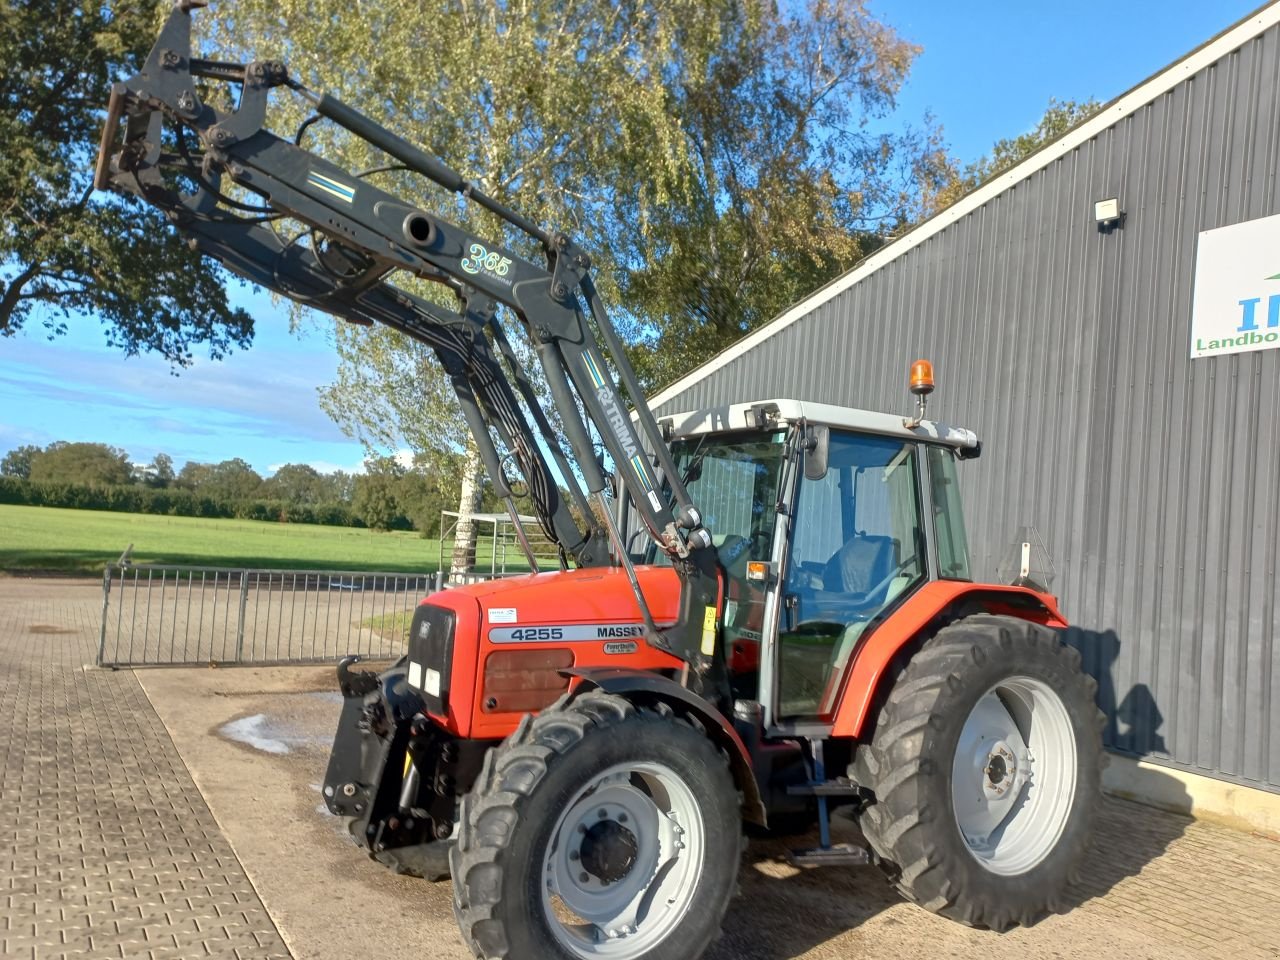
point(856, 545)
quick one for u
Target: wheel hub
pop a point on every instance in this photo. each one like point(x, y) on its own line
point(608, 851)
point(1000, 770)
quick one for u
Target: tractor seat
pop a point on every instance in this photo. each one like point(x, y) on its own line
point(860, 564)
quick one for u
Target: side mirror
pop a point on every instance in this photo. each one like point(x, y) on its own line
point(817, 445)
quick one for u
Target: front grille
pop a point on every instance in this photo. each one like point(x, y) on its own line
point(431, 655)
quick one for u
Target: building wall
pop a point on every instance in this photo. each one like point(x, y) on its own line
point(1153, 481)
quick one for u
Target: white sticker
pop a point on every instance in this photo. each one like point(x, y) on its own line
point(502, 615)
point(432, 683)
point(415, 674)
point(653, 499)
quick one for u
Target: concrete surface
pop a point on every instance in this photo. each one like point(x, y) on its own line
point(143, 819)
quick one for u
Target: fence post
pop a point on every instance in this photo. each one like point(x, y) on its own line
point(244, 601)
point(106, 597)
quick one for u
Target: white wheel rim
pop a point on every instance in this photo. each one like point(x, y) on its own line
point(1013, 778)
point(622, 864)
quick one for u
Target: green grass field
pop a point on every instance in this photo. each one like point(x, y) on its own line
point(83, 541)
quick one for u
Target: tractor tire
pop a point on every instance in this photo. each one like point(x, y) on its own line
point(598, 829)
point(986, 767)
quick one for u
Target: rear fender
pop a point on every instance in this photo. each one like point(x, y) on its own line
point(644, 688)
point(931, 607)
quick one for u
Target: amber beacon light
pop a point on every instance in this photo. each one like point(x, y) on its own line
point(922, 378)
point(921, 386)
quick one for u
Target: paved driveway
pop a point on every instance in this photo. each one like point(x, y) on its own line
point(176, 812)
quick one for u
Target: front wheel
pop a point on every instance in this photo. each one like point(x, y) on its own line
point(598, 830)
point(986, 769)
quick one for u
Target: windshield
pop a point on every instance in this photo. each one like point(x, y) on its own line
point(733, 481)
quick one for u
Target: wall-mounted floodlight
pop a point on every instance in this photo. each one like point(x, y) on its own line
point(1108, 214)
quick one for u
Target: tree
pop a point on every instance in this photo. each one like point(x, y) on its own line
point(17, 462)
point(160, 471)
point(63, 250)
point(336, 487)
point(1059, 117)
point(88, 464)
point(232, 480)
point(375, 500)
point(194, 476)
point(295, 483)
point(782, 188)
point(710, 155)
point(424, 492)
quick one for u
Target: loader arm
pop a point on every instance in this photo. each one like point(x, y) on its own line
point(360, 235)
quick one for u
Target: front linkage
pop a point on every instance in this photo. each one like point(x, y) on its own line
point(403, 813)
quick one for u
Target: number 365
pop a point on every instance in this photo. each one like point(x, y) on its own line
point(482, 259)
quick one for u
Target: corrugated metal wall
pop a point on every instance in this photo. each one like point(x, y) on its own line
point(1153, 480)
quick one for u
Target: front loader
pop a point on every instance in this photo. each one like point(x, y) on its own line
point(579, 749)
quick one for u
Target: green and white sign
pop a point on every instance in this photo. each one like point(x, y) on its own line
point(1236, 305)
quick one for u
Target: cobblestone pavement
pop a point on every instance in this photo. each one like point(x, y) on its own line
point(107, 848)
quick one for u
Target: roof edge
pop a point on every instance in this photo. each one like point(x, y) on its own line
point(1155, 86)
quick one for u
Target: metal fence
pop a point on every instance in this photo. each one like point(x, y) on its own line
point(153, 614)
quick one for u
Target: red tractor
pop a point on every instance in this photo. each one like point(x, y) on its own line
point(581, 748)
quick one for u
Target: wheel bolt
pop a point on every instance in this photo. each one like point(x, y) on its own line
point(584, 876)
point(622, 818)
point(573, 854)
point(582, 828)
point(602, 813)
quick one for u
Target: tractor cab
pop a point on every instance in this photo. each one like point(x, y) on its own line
point(825, 519)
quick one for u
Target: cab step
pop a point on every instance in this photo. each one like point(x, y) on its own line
point(835, 855)
point(841, 787)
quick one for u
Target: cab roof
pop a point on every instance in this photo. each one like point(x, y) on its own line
point(756, 414)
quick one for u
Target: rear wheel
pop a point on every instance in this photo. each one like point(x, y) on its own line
point(986, 768)
point(598, 830)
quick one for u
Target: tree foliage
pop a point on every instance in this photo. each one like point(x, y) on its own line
point(17, 462)
point(712, 156)
point(90, 464)
point(160, 471)
point(295, 483)
point(1059, 117)
point(782, 187)
point(375, 501)
point(62, 249)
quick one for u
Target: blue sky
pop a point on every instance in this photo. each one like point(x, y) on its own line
point(987, 71)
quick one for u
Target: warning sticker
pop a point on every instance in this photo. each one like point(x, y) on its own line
point(709, 632)
point(502, 615)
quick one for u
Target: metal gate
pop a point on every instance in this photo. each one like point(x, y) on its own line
point(155, 614)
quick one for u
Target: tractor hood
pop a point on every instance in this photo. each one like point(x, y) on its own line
point(592, 595)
